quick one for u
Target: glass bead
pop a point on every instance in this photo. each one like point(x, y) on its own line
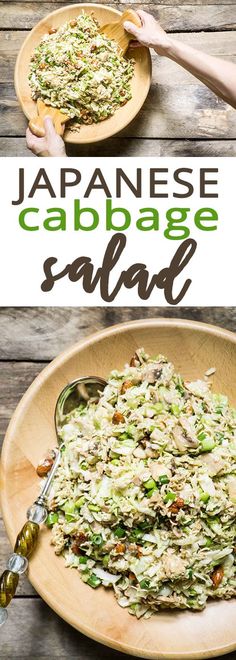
point(27, 539)
point(3, 615)
point(17, 563)
point(8, 586)
point(37, 513)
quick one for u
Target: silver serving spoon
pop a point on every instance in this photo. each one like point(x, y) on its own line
point(75, 394)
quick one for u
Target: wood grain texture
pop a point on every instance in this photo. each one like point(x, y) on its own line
point(40, 633)
point(179, 110)
point(40, 333)
point(52, 638)
point(177, 107)
point(171, 3)
point(16, 146)
point(33, 630)
point(192, 348)
point(15, 378)
point(175, 18)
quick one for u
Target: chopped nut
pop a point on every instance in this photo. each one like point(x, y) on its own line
point(120, 548)
point(134, 362)
point(75, 548)
point(126, 385)
point(118, 418)
point(179, 502)
point(173, 509)
point(139, 551)
point(177, 505)
point(132, 577)
point(217, 576)
point(132, 547)
point(80, 538)
point(44, 467)
point(73, 23)
point(52, 30)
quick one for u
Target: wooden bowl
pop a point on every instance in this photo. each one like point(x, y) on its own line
point(140, 83)
point(193, 347)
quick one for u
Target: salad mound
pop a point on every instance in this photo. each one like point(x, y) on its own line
point(144, 499)
point(80, 71)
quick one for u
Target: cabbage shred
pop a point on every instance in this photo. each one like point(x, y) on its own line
point(144, 499)
point(81, 71)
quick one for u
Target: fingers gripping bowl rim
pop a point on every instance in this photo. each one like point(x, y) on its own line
point(194, 347)
point(140, 83)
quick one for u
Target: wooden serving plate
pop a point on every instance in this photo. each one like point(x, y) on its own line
point(140, 83)
point(193, 347)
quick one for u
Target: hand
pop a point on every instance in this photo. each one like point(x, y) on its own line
point(49, 145)
point(150, 34)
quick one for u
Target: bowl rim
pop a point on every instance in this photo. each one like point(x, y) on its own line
point(68, 353)
point(69, 138)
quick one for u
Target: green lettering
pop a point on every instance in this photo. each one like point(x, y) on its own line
point(59, 219)
point(77, 220)
point(152, 220)
point(22, 217)
point(109, 215)
point(173, 230)
point(200, 219)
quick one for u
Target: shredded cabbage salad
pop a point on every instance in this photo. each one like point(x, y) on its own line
point(79, 70)
point(144, 499)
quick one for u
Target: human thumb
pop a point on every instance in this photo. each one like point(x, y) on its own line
point(133, 29)
point(49, 128)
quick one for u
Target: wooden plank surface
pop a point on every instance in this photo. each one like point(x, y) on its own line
point(177, 18)
point(38, 334)
point(171, 3)
point(39, 633)
point(177, 107)
point(218, 44)
point(29, 338)
point(16, 146)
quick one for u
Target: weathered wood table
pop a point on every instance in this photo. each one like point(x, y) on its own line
point(180, 116)
point(29, 338)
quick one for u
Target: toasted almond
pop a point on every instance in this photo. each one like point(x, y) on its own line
point(126, 385)
point(217, 576)
point(118, 418)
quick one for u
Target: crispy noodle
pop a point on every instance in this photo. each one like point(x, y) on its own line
point(145, 497)
point(81, 71)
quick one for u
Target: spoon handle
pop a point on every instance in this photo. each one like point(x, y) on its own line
point(17, 564)
point(24, 546)
point(58, 118)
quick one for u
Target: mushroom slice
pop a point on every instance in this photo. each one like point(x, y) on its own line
point(157, 469)
point(213, 462)
point(232, 489)
point(179, 438)
point(184, 436)
point(152, 373)
point(190, 433)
